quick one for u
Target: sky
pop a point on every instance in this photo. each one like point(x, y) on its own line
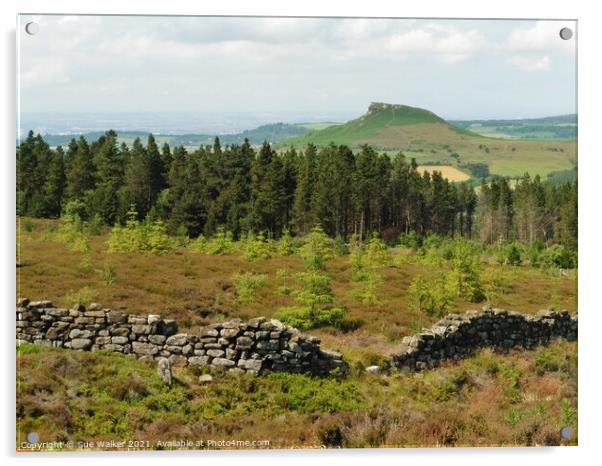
point(460, 69)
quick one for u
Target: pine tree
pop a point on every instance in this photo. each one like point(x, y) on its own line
point(303, 191)
point(80, 174)
point(110, 164)
point(54, 185)
point(144, 178)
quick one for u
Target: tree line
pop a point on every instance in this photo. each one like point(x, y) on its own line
point(242, 188)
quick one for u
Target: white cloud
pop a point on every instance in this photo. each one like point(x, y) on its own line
point(447, 44)
point(532, 64)
point(47, 70)
point(543, 35)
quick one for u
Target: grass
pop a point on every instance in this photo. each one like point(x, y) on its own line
point(486, 400)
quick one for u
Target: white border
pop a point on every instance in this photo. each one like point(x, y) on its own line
point(590, 165)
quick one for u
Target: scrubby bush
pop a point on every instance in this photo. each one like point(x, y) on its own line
point(199, 244)
point(222, 243)
point(26, 225)
point(558, 256)
point(71, 233)
point(306, 318)
point(84, 295)
point(432, 298)
point(95, 225)
point(314, 301)
point(75, 208)
point(317, 249)
point(285, 276)
point(286, 246)
point(144, 237)
point(366, 262)
point(339, 246)
point(412, 240)
point(256, 247)
point(377, 253)
point(464, 278)
point(509, 254)
point(247, 284)
point(182, 238)
point(368, 291)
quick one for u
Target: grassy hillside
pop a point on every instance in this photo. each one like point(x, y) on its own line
point(518, 398)
point(379, 117)
point(421, 134)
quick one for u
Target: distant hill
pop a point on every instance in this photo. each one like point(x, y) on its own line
point(432, 141)
point(379, 127)
point(272, 133)
point(554, 127)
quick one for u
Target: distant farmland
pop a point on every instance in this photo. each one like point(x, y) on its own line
point(451, 173)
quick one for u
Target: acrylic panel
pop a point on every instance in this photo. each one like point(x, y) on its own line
point(278, 232)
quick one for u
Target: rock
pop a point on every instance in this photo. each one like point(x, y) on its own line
point(137, 320)
point(120, 331)
point(141, 329)
point(199, 360)
point(208, 332)
point(58, 312)
point(277, 325)
point(116, 317)
point(179, 339)
point(164, 370)
point(251, 364)
point(231, 324)
point(144, 348)
point(119, 340)
point(215, 353)
point(256, 322)
point(205, 378)
point(244, 343)
point(230, 332)
point(22, 302)
point(157, 339)
point(39, 304)
point(373, 370)
point(222, 362)
point(81, 343)
point(77, 333)
point(153, 319)
point(95, 307)
point(169, 327)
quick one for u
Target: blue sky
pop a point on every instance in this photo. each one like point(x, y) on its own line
point(460, 69)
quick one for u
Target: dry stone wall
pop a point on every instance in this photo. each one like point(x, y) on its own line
point(262, 344)
point(254, 346)
point(458, 335)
